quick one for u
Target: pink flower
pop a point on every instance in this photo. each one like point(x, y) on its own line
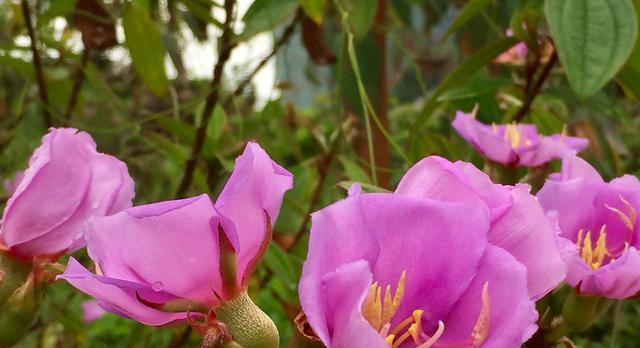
point(67, 182)
point(600, 223)
point(387, 270)
point(158, 263)
point(514, 144)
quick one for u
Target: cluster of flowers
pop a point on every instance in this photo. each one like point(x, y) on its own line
point(449, 259)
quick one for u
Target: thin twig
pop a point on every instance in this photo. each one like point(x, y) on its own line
point(77, 84)
point(286, 35)
point(324, 162)
point(226, 46)
point(535, 90)
point(37, 63)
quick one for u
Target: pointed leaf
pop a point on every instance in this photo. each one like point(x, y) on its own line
point(594, 38)
point(144, 42)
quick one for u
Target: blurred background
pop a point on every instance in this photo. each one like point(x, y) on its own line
point(336, 91)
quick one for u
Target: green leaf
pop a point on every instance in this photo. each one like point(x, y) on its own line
point(144, 42)
point(201, 10)
point(461, 73)
point(470, 10)
point(365, 187)
point(314, 8)
point(176, 153)
point(217, 123)
point(629, 78)
point(354, 171)
point(56, 8)
point(284, 269)
point(361, 15)
point(265, 15)
point(593, 38)
point(629, 75)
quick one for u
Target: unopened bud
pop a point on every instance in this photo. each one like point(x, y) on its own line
point(580, 312)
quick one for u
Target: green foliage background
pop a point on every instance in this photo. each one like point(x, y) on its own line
point(335, 82)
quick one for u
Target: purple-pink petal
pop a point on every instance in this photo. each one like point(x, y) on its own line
point(483, 139)
point(91, 311)
point(526, 233)
point(518, 222)
point(171, 245)
point(254, 190)
point(528, 148)
point(512, 317)
point(119, 300)
point(346, 289)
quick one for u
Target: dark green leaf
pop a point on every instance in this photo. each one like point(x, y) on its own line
point(594, 38)
point(144, 42)
point(314, 8)
point(354, 171)
point(361, 15)
point(470, 10)
point(266, 14)
point(217, 124)
point(56, 9)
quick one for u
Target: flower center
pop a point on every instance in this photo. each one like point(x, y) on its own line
point(513, 134)
point(594, 256)
point(380, 308)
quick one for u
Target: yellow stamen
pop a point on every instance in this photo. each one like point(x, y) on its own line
point(564, 133)
point(481, 329)
point(625, 219)
point(494, 128)
point(401, 325)
point(475, 110)
point(414, 331)
point(379, 309)
point(601, 249)
point(633, 215)
point(372, 310)
point(579, 241)
point(389, 339)
point(402, 338)
point(512, 134)
point(629, 219)
point(594, 257)
point(587, 252)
